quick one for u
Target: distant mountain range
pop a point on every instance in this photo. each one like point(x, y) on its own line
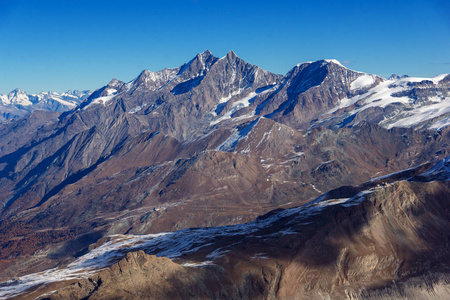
point(18, 103)
point(220, 142)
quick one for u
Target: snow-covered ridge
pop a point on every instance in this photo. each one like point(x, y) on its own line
point(18, 103)
point(335, 61)
point(153, 80)
point(20, 97)
point(325, 61)
point(412, 105)
point(440, 170)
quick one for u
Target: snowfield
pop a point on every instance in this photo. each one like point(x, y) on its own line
point(388, 92)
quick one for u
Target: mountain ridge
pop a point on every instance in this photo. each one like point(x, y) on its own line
point(216, 141)
point(245, 103)
point(18, 103)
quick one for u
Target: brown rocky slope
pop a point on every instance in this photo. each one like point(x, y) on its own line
point(385, 239)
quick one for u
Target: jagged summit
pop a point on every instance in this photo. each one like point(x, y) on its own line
point(17, 91)
point(205, 54)
point(232, 87)
point(231, 55)
point(114, 83)
point(143, 75)
point(198, 66)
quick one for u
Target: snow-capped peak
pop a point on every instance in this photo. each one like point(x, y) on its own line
point(20, 103)
point(18, 97)
point(321, 62)
point(114, 83)
point(17, 91)
point(335, 61)
point(153, 80)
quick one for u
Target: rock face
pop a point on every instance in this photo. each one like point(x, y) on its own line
point(384, 239)
point(140, 276)
point(311, 89)
point(217, 141)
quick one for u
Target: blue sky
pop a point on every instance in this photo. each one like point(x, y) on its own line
point(77, 44)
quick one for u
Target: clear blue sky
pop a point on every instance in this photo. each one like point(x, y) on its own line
point(60, 45)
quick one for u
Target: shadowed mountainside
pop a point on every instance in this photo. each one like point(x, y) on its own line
point(384, 239)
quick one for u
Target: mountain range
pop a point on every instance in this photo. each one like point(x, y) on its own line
point(18, 103)
point(221, 142)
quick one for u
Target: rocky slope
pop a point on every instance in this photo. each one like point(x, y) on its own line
point(216, 141)
point(18, 103)
point(384, 239)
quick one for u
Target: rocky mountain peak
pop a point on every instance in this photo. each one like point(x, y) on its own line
point(333, 61)
point(16, 91)
point(231, 55)
point(445, 80)
point(396, 77)
point(114, 83)
point(198, 66)
point(153, 80)
point(307, 75)
point(205, 55)
point(143, 76)
point(19, 97)
point(207, 52)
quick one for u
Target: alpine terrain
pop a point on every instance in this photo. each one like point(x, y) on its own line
point(18, 103)
point(218, 179)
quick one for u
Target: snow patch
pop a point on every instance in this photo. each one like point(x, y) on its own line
point(237, 105)
point(244, 102)
point(440, 171)
point(314, 187)
point(362, 81)
point(197, 264)
point(100, 100)
point(423, 113)
point(438, 125)
point(334, 61)
point(236, 136)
